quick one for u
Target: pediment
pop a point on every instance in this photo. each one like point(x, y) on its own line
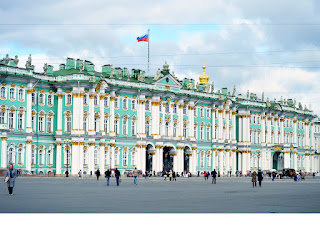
point(168, 80)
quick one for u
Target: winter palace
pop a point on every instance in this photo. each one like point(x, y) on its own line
point(76, 118)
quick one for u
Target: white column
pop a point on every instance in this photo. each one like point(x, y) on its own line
point(244, 163)
point(4, 152)
point(263, 165)
point(213, 125)
point(143, 157)
point(220, 121)
point(269, 130)
point(286, 157)
point(91, 155)
point(155, 159)
point(295, 132)
point(160, 161)
point(234, 161)
point(191, 120)
point(58, 158)
point(102, 115)
point(180, 158)
point(29, 112)
point(101, 158)
point(227, 126)
point(193, 168)
point(76, 111)
point(59, 119)
point(112, 145)
point(234, 127)
point(81, 155)
point(141, 117)
point(276, 131)
point(28, 153)
point(82, 131)
point(239, 161)
point(307, 134)
point(228, 153)
point(91, 115)
point(155, 103)
point(282, 130)
point(312, 136)
point(220, 155)
point(75, 157)
point(263, 130)
point(180, 118)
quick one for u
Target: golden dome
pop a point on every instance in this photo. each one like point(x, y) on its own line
point(204, 78)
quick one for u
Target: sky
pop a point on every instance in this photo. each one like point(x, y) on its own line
point(261, 46)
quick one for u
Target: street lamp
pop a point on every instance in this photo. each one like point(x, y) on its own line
point(67, 172)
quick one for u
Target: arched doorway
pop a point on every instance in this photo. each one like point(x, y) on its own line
point(167, 158)
point(186, 159)
point(278, 161)
point(150, 151)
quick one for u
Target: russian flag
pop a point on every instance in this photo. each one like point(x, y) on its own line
point(143, 38)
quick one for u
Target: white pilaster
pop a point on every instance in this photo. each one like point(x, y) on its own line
point(58, 158)
point(59, 119)
point(4, 153)
point(29, 112)
point(91, 117)
point(28, 153)
point(155, 103)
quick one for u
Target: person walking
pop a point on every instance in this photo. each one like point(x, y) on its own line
point(98, 174)
point(170, 175)
point(254, 179)
point(135, 176)
point(260, 177)
point(214, 176)
point(174, 176)
point(108, 175)
point(208, 174)
point(80, 174)
point(10, 177)
point(273, 175)
point(117, 174)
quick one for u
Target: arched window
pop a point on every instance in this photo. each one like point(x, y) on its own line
point(125, 158)
point(41, 98)
point(106, 101)
point(201, 159)
point(195, 112)
point(41, 161)
point(116, 126)
point(185, 130)
point(69, 99)
point(195, 131)
point(49, 157)
point(208, 133)
point(208, 113)
point(174, 130)
point(133, 104)
point(167, 128)
point(96, 124)
point(11, 93)
point(201, 133)
point(68, 124)
point(33, 156)
point(50, 100)
point(124, 127)
point(208, 160)
point(11, 118)
point(201, 112)
point(20, 156)
point(20, 94)
point(116, 102)
point(20, 122)
point(116, 154)
point(41, 122)
point(133, 128)
point(33, 98)
point(167, 107)
point(106, 122)
point(133, 155)
point(49, 125)
point(147, 128)
point(11, 155)
point(3, 92)
point(95, 157)
point(2, 117)
point(124, 104)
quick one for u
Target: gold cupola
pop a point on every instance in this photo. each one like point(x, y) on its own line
point(204, 78)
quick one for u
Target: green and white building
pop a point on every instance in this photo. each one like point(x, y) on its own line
point(76, 118)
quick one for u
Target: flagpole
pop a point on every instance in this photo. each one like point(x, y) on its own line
point(148, 49)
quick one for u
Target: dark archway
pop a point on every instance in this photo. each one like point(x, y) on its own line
point(149, 153)
point(278, 161)
point(167, 159)
point(186, 159)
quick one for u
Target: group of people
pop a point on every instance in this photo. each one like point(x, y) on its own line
point(171, 174)
point(256, 175)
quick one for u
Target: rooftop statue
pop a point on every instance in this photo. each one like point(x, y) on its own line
point(212, 87)
point(45, 68)
point(141, 77)
point(300, 106)
point(119, 74)
point(81, 66)
point(111, 71)
point(6, 59)
point(16, 60)
point(262, 96)
point(234, 91)
point(207, 88)
point(268, 103)
point(128, 76)
point(248, 94)
point(281, 100)
point(197, 86)
point(158, 75)
point(305, 107)
point(190, 85)
point(92, 78)
point(28, 63)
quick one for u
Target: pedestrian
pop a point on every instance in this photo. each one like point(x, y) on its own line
point(208, 174)
point(174, 176)
point(198, 173)
point(80, 174)
point(108, 175)
point(214, 176)
point(98, 174)
point(117, 174)
point(260, 177)
point(254, 179)
point(273, 175)
point(10, 177)
point(150, 173)
point(170, 175)
point(90, 173)
point(135, 176)
point(205, 175)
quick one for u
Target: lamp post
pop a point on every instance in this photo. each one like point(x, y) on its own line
point(67, 172)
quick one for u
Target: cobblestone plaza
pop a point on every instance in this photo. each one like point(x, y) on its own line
point(229, 195)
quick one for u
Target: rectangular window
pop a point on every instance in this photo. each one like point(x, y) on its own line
point(184, 109)
point(175, 109)
point(49, 124)
point(133, 104)
point(40, 124)
point(116, 103)
point(68, 120)
point(85, 124)
point(20, 122)
point(124, 104)
point(85, 99)
point(11, 117)
point(133, 128)
point(106, 101)
point(2, 114)
point(106, 125)
point(208, 113)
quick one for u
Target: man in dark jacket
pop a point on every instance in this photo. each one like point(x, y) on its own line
point(260, 177)
point(108, 174)
point(117, 174)
point(98, 174)
point(214, 176)
point(174, 176)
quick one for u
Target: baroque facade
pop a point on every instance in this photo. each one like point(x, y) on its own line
point(76, 118)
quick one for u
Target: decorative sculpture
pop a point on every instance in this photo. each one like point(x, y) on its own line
point(16, 60)
point(92, 78)
point(119, 74)
point(300, 106)
point(128, 76)
point(234, 91)
point(28, 63)
point(248, 95)
point(81, 66)
point(158, 75)
point(206, 88)
point(212, 87)
point(6, 59)
point(45, 68)
point(111, 73)
point(262, 96)
point(190, 85)
point(141, 77)
point(268, 103)
point(197, 86)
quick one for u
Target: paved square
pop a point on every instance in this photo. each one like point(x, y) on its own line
point(156, 195)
